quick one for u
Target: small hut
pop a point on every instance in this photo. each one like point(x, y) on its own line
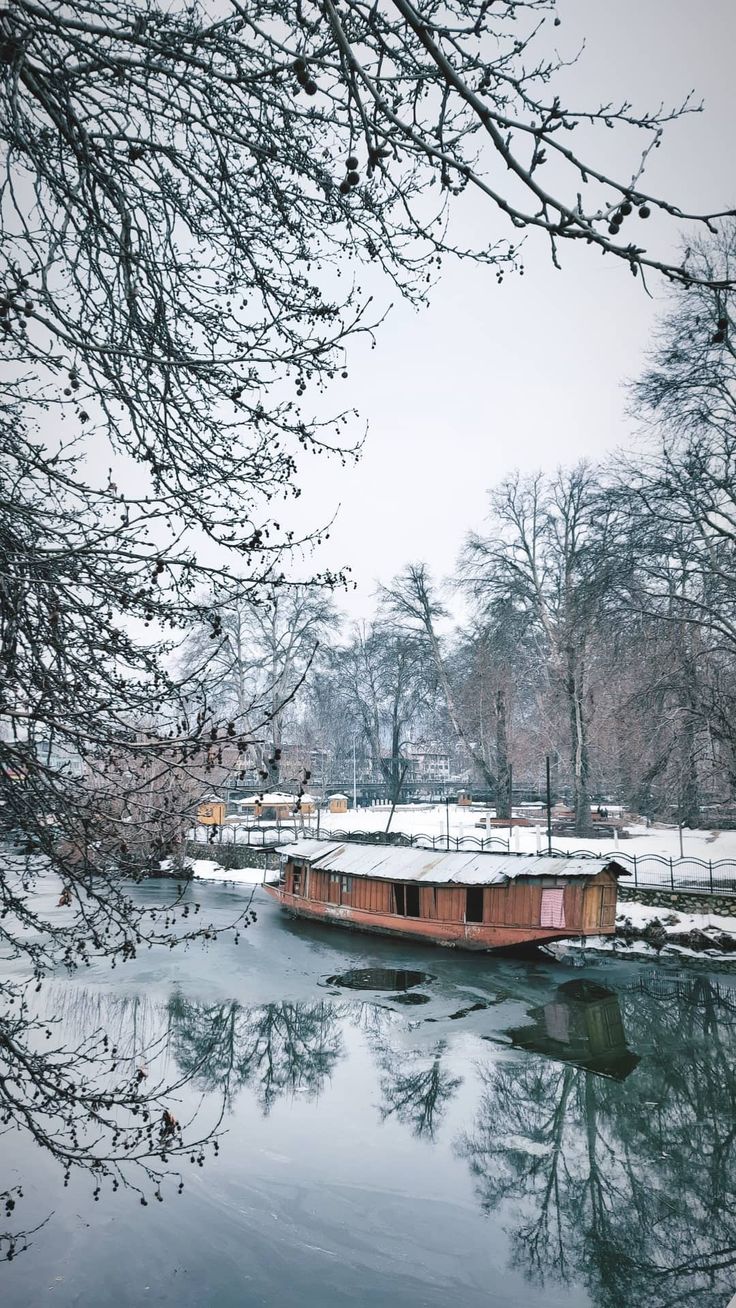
point(211, 811)
point(276, 807)
point(337, 804)
point(464, 799)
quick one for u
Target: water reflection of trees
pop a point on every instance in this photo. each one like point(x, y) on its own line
point(293, 1048)
point(85, 1080)
point(274, 1049)
point(629, 1187)
point(416, 1087)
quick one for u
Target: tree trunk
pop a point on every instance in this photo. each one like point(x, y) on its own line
point(502, 793)
point(689, 796)
point(688, 805)
point(497, 782)
point(579, 750)
point(396, 771)
point(400, 782)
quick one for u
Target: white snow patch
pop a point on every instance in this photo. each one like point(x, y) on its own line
point(205, 869)
point(674, 922)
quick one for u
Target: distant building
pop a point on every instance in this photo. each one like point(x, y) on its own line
point(59, 757)
point(211, 811)
point(275, 807)
point(427, 762)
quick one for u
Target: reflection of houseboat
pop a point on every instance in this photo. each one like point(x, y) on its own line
point(581, 1025)
point(475, 901)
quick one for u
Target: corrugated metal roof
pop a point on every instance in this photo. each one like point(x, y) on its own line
point(436, 866)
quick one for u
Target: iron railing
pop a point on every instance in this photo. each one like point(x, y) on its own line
point(650, 871)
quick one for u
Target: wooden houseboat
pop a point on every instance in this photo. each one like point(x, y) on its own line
point(471, 900)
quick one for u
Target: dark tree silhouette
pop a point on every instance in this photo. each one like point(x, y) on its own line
point(416, 1088)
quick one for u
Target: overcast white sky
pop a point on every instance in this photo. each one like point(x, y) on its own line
point(530, 373)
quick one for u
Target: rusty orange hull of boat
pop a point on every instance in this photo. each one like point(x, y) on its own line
point(462, 935)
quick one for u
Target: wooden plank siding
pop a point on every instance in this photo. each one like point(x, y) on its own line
point(372, 896)
point(450, 903)
point(428, 903)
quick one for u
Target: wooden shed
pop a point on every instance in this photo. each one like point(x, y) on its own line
point(276, 806)
point(337, 804)
point(211, 811)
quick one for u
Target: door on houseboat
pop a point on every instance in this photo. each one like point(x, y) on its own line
point(406, 900)
point(600, 907)
point(339, 888)
point(608, 905)
point(474, 904)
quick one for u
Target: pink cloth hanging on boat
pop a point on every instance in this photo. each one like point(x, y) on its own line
point(553, 908)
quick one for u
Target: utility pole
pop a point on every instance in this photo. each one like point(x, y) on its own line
point(355, 780)
point(549, 810)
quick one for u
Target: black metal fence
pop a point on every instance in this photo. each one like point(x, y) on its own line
point(648, 871)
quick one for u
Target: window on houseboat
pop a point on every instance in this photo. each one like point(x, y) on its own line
point(474, 904)
point(297, 881)
point(406, 900)
point(346, 885)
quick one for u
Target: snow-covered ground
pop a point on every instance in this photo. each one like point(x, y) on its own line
point(675, 922)
point(205, 869)
point(676, 927)
point(431, 820)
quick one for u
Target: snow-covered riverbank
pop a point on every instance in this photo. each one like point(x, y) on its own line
point(431, 820)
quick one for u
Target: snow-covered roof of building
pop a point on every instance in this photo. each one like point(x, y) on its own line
point(435, 866)
point(337, 795)
point(276, 797)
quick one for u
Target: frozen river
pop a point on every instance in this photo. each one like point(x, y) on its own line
point(405, 1126)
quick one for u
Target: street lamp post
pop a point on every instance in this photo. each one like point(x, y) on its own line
point(549, 809)
point(355, 778)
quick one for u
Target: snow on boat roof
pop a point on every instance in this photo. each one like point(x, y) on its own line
point(392, 863)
